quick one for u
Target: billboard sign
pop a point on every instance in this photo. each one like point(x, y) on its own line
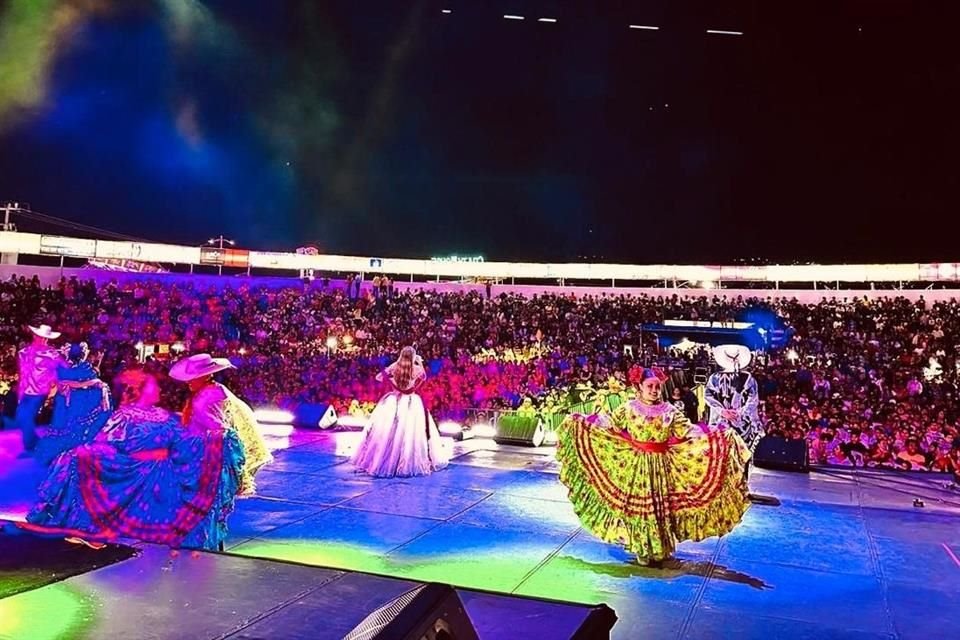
point(67, 247)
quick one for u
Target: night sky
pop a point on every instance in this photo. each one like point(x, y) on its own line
point(828, 131)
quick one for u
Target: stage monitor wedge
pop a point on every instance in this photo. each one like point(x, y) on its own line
point(525, 431)
point(315, 415)
point(428, 612)
point(436, 612)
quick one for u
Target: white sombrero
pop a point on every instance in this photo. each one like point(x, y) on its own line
point(198, 366)
point(45, 331)
point(732, 357)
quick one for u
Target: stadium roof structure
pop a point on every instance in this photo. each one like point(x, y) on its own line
point(708, 276)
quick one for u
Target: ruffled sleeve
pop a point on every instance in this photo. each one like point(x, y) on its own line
point(620, 416)
point(208, 410)
point(131, 429)
point(680, 425)
point(419, 374)
point(241, 417)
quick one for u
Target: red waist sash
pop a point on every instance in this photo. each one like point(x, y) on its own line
point(652, 447)
point(408, 392)
point(150, 454)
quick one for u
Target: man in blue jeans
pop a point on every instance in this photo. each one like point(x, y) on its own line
point(38, 364)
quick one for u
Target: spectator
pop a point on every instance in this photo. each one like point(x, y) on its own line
point(851, 381)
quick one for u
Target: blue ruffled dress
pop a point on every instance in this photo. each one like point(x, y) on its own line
point(80, 409)
point(144, 477)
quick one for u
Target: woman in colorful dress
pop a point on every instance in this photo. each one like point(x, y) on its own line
point(144, 477)
point(213, 406)
point(645, 477)
point(401, 438)
point(80, 408)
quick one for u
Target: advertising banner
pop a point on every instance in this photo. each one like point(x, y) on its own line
point(236, 258)
point(225, 257)
point(114, 250)
point(211, 255)
point(67, 247)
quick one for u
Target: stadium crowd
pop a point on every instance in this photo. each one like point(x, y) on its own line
point(867, 383)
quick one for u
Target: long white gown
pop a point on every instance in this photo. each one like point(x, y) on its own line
point(401, 438)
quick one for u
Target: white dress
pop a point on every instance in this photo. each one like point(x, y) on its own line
point(401, 438)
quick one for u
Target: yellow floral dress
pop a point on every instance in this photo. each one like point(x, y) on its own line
point(216, 406)
point(645, 477)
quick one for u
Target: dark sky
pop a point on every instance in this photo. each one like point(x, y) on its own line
point(390, 128)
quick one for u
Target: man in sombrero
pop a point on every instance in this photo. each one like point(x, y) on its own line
point(732, 394)
point(38, 363)
point(734, 401)
point(213, 406)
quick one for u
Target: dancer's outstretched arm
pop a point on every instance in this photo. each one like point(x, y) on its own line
point(386, 373)
point(681, 425)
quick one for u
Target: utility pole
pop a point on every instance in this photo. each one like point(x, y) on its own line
point(219, 240)
point(8, 208)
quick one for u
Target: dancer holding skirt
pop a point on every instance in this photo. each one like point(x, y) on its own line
point(645, 477)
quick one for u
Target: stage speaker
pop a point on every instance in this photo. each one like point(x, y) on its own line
point(428, 612)
point(522, 430)
point(322, 416)
point(780, 453)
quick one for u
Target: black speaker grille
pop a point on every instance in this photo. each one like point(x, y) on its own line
point(380, 618)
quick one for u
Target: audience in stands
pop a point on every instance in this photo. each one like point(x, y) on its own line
point(866, 383)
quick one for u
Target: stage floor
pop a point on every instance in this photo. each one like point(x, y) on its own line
point(847, 555)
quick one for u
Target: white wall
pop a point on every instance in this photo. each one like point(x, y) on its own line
point(51, 275)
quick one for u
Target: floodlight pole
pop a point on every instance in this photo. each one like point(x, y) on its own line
point(218, 241)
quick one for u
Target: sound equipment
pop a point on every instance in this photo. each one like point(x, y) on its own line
point(520, 430)
point(322, 416)
point(774, 452)
point(597, 624)
point(428, 612)
point(329, 602)
point(435, 612)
